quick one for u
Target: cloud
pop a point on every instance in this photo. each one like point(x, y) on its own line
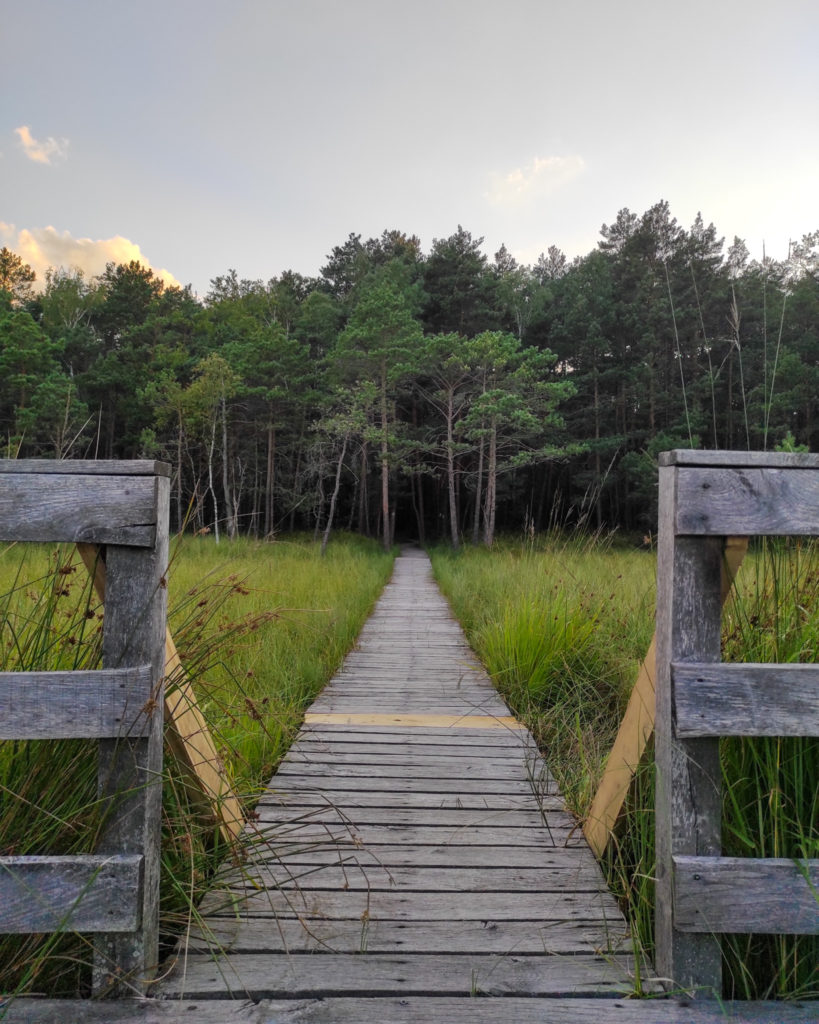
point(42, 248)
point(541, 177)
point(41, 152)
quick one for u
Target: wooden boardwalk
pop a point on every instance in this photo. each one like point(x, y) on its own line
point(412, 843)
point(410, 853)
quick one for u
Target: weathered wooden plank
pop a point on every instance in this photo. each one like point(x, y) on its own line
point(419, 906)
point(130, 771)
point(546, 835)
point(739, 460)
point(409, 1010)
point(746, 502)
point(688, 792)
point(415, 816)
point(401, 783)
point(372, 746)
point(577, 877)
point(745, 699)
point(734, 894)
point(294, 975)
point(145, 1011)
point(62, 705)
point(83, 894)
point(466, 719)
point(97, 509)
point(417, 770)
point(333, 732)
point(560, 938)
point(407, 758)
point(420, 855)
point(86, 467)
point(349, 801)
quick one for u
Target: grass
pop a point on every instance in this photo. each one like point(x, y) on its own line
point(260, 628)
point(562, 625)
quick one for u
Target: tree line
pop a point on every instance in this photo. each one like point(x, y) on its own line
point(403, 393)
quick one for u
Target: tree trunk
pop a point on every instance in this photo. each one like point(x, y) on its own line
point(491, 489)
point(269, 525)
point(476, 522)
point(385, 469)
point(599, 484)
point(211, 488)
point(334, 497)
point(450, 469)
point(230, 503)
point(363, 496)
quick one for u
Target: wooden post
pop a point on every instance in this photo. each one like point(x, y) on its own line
point(688, 793)
point(130, 771)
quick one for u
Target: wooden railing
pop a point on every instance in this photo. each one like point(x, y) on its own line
point(704, 498)
point(114, 894)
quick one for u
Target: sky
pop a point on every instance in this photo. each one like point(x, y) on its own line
point(199, 136)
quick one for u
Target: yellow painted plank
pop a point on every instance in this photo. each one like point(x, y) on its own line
point(420, 721)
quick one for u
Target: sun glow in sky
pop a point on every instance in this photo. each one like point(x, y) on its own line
point(198, 136)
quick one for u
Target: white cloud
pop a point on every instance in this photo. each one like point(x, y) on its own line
point(41, 152)
point(538, 178)
point(46, 247)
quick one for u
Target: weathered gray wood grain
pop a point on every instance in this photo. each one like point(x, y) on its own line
point(409, 1010)
point(417, 817)
point(130, 771)
point(405, 758)
point(745, 502)
point(733, 894)
point(86, 467)
point(225, 936)
point(451, 736)
point(688, 791)
point(350, 905)
point(300, 976)
point(349, 800)
point(395, 854)
point(62, 705)
point(93, 509)
point(579, 878)
point(416, 770)
point(751, 460)
point(83, 894)
point(356, 834)
point(307, 745)
point(746, 700)
point(398, 782)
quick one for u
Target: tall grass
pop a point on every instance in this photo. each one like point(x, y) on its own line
point(562, 626)
point(259, 627)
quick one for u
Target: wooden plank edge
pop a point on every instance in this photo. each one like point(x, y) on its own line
point(714, 895)
point(81, 893)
